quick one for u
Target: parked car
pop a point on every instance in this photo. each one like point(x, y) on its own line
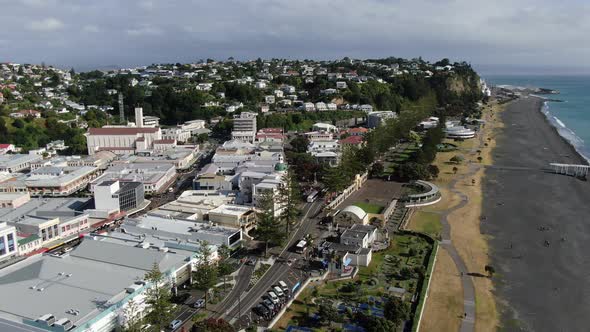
point(268, 303)
point(273, 297)
point(284, 287)
point(277, 290)
point(261, 311)
point(200, 303)
point(251, 261)
point(175, 324)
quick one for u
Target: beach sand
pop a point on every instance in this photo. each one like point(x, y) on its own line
point(539, 287)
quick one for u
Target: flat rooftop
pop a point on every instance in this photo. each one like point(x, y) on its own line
point(232, 209)
point(99, 272)
point(54, 205)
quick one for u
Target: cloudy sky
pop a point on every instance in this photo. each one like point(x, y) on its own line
point(504, 34)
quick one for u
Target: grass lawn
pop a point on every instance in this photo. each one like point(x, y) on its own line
point(370, 208)
point(426, 222)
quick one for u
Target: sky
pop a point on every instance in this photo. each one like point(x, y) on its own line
point(494, 35)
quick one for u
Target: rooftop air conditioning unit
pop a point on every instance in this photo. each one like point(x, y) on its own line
point(64, 323)
point(47, 319)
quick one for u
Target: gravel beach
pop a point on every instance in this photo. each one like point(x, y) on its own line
point(539, 226)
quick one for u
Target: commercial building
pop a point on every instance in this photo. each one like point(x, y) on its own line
point(209, 178)
point(59, 181)
point(90, 287)
point(233, 216)
point(156, 177)
point(195, 204)
point(14, 200)
point(182, 157)
point(50, 219)
point(115, 196)
point(17, 162)
point(8, 241)
point(180, 233)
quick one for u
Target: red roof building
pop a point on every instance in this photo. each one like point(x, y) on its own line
point(360, 131)
point(122, 131)
point(352, 140)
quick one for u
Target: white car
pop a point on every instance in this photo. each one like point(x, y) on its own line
point(273, 297)
point(175, 324)
point(200, 303)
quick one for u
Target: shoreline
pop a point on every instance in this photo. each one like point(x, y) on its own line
point(545, 110)
point(527, 271)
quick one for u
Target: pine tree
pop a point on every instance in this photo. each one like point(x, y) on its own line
point(205, 277)
point(267, 225)
point(289, 196)
point(158, 298)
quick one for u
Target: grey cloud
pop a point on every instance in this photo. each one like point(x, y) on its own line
point(144, 31)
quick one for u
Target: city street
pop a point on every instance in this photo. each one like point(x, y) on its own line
point(239, 313)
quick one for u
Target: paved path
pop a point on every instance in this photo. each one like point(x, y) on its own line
point(468, 322)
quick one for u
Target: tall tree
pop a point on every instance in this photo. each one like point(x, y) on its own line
point(396, 310)
point(268, 226)
point(205, 277)
point(133, 315)
point(158, 298)
point(223, 266)
point(289, 197)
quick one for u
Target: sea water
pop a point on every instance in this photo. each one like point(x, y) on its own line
point(572, 116)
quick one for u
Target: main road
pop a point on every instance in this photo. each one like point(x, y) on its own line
point(280, 270)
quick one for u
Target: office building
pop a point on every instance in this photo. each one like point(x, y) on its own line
point(244, 127)
point(118, 196)
point(8, 241)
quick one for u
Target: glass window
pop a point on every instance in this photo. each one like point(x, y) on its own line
point(2, 246)
point(10, 240)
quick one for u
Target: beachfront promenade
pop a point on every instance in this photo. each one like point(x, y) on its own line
point(468, 321)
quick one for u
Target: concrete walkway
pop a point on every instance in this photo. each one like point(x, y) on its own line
point(468, 321)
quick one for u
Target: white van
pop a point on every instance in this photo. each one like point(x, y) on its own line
point(283, 286)
point(273, 297)
point(278, 291)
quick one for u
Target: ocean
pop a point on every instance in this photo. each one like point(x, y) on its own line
point(572, 116)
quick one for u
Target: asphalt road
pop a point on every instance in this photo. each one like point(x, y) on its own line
point(280, 270)
point(243, 280)
point(538, 225)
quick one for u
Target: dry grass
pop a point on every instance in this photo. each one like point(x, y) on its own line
point(445, 297)
point(465, 234)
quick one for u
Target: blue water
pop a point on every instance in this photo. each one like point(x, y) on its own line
point(572, 117)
